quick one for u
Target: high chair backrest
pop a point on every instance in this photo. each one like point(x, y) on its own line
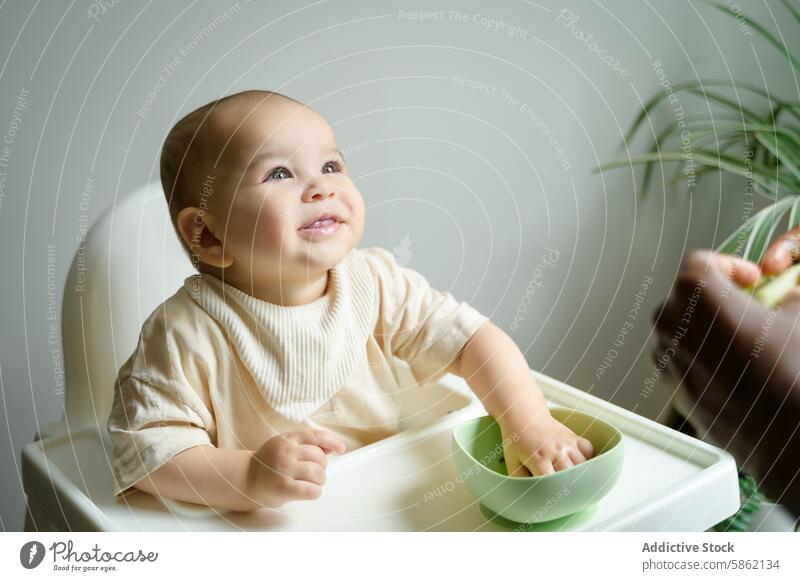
point(130, 262)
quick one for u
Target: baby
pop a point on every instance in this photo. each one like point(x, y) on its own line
point(282, 349)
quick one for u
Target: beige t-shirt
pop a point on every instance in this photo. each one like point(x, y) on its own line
point(216, 366)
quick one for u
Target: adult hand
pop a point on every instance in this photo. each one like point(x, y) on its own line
point(739, 361)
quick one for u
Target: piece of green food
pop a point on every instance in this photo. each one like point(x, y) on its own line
point(771, 290)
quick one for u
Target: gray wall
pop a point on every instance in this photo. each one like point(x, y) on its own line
point(469, 181)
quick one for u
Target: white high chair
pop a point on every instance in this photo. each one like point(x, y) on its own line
point(132, 260)
point(129, 263)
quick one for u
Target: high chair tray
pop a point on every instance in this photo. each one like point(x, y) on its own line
point(669, 482)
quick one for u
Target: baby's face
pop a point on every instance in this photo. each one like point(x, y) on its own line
point(280, 171)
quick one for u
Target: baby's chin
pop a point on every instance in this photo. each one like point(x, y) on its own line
point(322, 255)
point(305, 258)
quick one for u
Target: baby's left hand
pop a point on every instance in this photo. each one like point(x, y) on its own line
point(540, 444)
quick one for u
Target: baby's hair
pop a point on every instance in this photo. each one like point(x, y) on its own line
point(183, 157)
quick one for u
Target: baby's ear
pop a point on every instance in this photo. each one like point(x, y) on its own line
point(201, 241)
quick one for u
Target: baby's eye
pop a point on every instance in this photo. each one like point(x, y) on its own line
point(279, 173)
point(331, 167)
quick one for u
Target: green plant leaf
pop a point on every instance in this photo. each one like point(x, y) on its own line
point(794, 214)
point(689, 122)
point(792, 9)
point(750, 499)
point(759, 174)
point(747, 128)
point(771, 143)
point(744, 112)
point(750, 240)
point(705, 169)
point(766, 34)
point(763, 229)
point(734, 243)
point(699, 87)
point(781, 147)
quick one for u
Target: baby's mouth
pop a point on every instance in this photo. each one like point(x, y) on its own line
point(321, 221)
point(319, 224)
point(320, 228)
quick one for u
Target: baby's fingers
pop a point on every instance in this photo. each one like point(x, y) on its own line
point(586, 448)
point(310, 472)
point(540, 466)
point(325, 440)
point(513, 466)
point(562, 462)
point(303, 490)
point(309, 453)
point(576, 456)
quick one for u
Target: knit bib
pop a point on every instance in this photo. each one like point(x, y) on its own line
point(299, 356)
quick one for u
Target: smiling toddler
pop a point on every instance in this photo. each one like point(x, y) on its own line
point(282, 348)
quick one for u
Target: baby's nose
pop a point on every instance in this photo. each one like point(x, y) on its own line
point(321, 195)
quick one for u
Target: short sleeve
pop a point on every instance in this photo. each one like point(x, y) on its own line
point(156, 412)
point(423, 326)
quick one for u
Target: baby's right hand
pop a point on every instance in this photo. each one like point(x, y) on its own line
point(291, 466)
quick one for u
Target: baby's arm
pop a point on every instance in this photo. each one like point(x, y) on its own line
point(287, 467)
point(426, 327)
point(205, 475)
point(497, 372)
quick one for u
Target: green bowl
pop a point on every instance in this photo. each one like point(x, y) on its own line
point(478, 456)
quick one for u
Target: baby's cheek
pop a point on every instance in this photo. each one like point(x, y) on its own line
point(249, 229)
point(355, 201)
point(270, 229)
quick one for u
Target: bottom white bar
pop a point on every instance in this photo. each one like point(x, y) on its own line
point(400, 555)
